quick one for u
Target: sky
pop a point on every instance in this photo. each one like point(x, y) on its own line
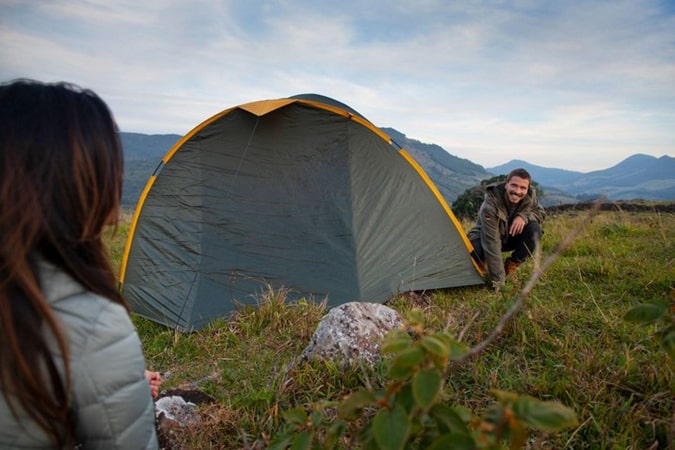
point(576, 85)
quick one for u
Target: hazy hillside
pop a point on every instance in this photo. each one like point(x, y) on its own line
point(142, 154)
point(637, 177)
point(542, 175)
point(451, 175)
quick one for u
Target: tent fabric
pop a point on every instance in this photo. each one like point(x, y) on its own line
point(301, 193)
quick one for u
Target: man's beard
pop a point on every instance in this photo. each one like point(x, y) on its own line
point(513, 197)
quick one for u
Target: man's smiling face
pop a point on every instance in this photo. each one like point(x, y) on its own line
point(516, 188)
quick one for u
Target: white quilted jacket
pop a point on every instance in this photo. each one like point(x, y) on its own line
point(112, 405)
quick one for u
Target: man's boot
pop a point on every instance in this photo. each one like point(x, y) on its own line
point(510, 266)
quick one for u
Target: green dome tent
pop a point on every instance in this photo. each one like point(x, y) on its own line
point(302, 193)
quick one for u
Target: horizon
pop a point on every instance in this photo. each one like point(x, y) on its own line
point(485, 167)
point(446, 150)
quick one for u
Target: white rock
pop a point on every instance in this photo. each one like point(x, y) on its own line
point(352, 333)
point(175, 408)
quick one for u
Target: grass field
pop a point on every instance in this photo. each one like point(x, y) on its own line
point(569, 342)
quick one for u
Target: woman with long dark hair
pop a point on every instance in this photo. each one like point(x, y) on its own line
point(71, 364)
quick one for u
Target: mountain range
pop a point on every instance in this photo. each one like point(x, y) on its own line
point(637, 177)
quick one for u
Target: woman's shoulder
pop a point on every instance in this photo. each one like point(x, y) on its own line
point(87, 317)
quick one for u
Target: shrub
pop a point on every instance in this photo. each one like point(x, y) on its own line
point(410, 411)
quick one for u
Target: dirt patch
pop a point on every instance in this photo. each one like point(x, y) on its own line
point(189, 395)
point(167, 429)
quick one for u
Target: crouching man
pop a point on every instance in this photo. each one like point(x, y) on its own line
point(509, 220)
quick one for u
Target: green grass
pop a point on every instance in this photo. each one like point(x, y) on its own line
point(569, 343)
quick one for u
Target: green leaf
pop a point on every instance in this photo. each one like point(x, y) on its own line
point(409, 357)
point(405, 398)
point(316, 418)
point(454, 442)
point(296, 416)
point(350, 408)
point(463, 412)
point(438, 362)
point(435, 346)
point(426, 387)
point(645, 313)
point(281, 442)
point(448, 419)
point(302, 441)
point(457, 350)
point(445, 337)
point(504, 397)
point(333, 435)
point(541, 415)
point(366, 436)
point(399, 373)
point(391, 428)
point(395, 342)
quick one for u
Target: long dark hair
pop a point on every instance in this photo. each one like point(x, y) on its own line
point(61, 168)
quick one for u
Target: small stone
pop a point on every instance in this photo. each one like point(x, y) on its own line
point(176, 409)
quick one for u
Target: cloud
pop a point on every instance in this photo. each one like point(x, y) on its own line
point(575, 85)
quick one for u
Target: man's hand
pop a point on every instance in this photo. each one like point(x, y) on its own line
point(517, 226)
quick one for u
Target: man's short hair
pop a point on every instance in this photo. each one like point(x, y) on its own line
point(520, 173)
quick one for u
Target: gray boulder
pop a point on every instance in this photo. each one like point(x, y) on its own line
point(352, 333)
